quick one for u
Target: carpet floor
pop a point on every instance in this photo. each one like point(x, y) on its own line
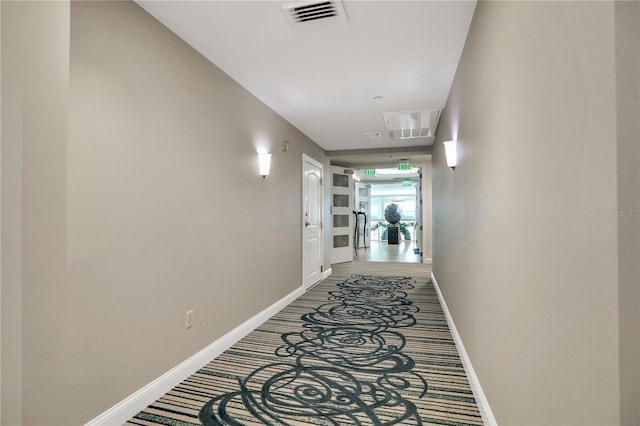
point(369, 345)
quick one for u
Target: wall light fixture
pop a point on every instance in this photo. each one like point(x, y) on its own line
point(265, 164)
point(451, 152)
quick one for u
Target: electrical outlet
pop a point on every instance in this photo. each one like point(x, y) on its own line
point(189, 319)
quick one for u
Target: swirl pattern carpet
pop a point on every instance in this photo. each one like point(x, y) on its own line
point(367, 346)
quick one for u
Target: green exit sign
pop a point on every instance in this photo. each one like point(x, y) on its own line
point(369, 172)
point(404, 165)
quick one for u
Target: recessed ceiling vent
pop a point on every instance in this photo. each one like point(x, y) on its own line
point(301, 12)
point(411, 124)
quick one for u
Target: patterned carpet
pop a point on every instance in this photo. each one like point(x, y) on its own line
point(367, 346)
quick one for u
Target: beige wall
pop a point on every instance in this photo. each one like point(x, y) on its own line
point(627, 38)
point(35, 78)
point(523, 248)
point(140, 199)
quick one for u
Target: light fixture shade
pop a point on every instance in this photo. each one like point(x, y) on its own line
point(451, 152)
point(265, 164)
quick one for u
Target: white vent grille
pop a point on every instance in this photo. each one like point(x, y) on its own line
point(312, 11)
point(411, 124)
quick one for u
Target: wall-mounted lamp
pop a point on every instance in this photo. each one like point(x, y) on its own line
point(451, 152)
point(265, 164)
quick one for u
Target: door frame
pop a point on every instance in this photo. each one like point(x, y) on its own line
point(307, 159)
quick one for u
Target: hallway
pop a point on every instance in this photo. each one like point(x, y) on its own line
point(138, 229)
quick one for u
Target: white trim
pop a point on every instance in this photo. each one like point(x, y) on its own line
point(138, 401)
point(326, 273)
point(481, 399)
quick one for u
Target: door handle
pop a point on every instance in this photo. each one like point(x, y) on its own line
point(307, 223)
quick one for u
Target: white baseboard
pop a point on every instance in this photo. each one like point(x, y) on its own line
point(481, 399)
point(138, 401)
point(326, 273)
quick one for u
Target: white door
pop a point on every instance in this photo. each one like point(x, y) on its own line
point(311, 221)
point(341, 216)
point(363, 204)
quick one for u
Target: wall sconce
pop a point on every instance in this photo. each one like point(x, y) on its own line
point(451, 152)
point(265, 164)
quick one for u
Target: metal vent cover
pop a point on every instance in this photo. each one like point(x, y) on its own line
point(301, 12)
point(411, 124)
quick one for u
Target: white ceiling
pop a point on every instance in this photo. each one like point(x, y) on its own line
point(323, 76)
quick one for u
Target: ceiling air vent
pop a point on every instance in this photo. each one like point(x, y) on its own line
point(411, 124)
point(300, 12)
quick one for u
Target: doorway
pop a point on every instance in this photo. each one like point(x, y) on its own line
point(391, 199)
